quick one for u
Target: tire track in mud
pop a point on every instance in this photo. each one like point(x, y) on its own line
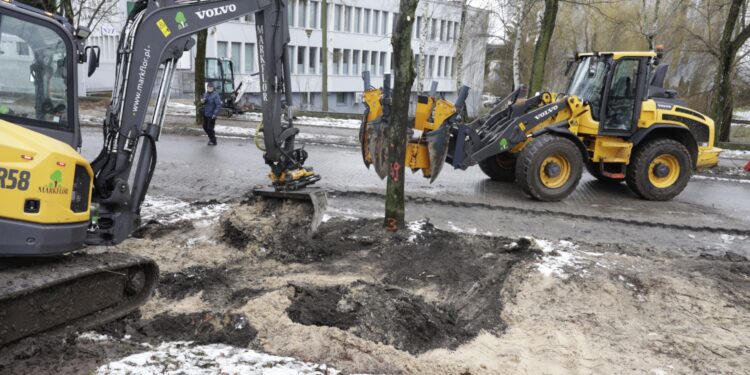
point(546, 212)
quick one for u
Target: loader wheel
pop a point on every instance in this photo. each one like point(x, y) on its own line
point(659, 170)
point(501, 167)
point(549, 168)
point(593, 170)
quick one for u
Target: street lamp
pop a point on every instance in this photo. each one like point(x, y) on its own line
point(308, 31)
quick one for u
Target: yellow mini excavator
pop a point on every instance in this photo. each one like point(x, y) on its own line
point(616, 119)
point(53, 201)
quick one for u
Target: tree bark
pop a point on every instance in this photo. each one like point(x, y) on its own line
point(403, 72)
point(722, 104)
point(542, 45)
point(200, 73)
point(460, 45)
point(423, 48)
point(520, 17)
point(324, 54)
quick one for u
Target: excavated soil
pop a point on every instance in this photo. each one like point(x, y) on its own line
point(421, 301)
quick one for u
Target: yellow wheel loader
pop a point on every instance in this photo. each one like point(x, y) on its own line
point(615, 119)
point(53, 201)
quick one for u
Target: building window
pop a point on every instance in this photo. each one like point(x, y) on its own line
point(456, 31)
point(367, 22)
point(375, 22)
point(373, 62)
point(290, 13)
point(355, 63)
point(301, 53)
point(418, 27)
point(236, 56)
point(382, 63)
point(357, 20)
point(336, 60)
point(434, 31)
point(430, 66)
point(290, 54)
point(337, 18)
point(341, 98)
point(440, 66)
point(314, 14)
point(395, 19)
point(384, 27)
point(311, 62)
point(22, 49)
point(446, 72)
point(249, 58)
point(347, 56)
point(348, 19)
point(302, 13)
point(453, 67)
point(442, 31)
point(222, 49)
point(364, 61)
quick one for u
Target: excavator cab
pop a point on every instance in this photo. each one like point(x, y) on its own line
point(220, 72)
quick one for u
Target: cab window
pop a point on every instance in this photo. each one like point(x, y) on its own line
point(622, 96)
point(34, 66)
point(588, 82)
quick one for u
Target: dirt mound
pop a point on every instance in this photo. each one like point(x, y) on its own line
point(201, 328)
point(178, 285)
point(382, 314)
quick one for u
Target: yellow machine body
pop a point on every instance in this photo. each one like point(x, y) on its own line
point(37, 168)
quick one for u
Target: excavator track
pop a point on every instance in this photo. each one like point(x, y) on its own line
point(70, 293)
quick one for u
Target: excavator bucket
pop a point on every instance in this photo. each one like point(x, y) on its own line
point(373, 132)
point(437, 146)
point(438, 140)
point(317, 198)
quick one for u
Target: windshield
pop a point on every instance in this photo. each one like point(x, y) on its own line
point(587, 82)
point(34, 70)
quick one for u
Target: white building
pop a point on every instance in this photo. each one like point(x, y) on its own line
point(359, 40)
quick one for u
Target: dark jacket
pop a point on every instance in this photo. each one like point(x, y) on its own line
point(211, 104)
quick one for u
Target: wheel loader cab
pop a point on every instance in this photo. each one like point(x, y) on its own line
point(614, 85)
point(38, 69)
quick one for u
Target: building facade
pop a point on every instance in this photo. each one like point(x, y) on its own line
point(359, 40)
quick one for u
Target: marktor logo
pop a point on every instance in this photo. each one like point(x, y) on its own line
point(55, 184)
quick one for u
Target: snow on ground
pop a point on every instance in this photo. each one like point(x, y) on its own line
point(416, 228)
point(563, 258)
point(735, 154)
point(177, 108)
point(170, 210)
point(742, 114)
point(722, 179)
point(183, 358)
point(236, 131)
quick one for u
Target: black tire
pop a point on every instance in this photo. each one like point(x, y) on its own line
point(593, 170)
point(501, 167)
point(638, 175)
point(530, 164)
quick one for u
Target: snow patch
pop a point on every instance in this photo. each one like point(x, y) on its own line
point(416, 228)
point(722, 179)
point(559, 257)
point(94, 336)
point(735, 154)
point(170, 210)
point(183, 358)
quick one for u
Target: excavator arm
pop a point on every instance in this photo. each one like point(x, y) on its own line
point(155, 36)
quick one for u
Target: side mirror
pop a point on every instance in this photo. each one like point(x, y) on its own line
point(93, 59)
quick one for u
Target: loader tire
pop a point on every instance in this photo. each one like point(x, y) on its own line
point(593, 170)
point(549, 168)
point(659, 170)
point(501, 167)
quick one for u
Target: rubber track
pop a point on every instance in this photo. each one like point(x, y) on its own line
point(453, 203)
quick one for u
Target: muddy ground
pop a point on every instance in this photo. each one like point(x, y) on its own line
point(421, 301)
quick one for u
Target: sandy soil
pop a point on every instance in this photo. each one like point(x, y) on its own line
point(422, 301)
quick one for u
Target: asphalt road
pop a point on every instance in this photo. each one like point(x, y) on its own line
point(189, 169)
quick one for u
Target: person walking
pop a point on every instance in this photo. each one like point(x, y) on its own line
point(211, 107)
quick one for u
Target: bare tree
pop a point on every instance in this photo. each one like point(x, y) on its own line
point(403, 72)
point(546, 29)
point(200, 73)
point(733, 37)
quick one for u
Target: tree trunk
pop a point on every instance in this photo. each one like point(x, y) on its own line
point(542, 45)
point(403, 72)
point(722, 104)
point(324, 54)
point(460, 45)
point(423, 49)
point(520, 17)
point(200, 73)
